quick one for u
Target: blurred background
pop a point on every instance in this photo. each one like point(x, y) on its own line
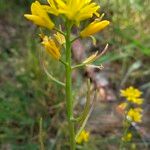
point(27, 94)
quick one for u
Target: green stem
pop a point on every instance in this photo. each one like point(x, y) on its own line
point(75, 39)
point(41, 135)
point(69, 99)
point(124, 134)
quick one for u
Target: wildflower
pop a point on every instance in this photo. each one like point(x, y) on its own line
point(135, 114)
point(39, 16)
point(90, 59)
point(131, 93)
point(52, 8)
point(77, 10)
point(94, 27)
point(51, 47)
point(83, 137)
point(60, 38)
point(127, 137)
point(138, 101)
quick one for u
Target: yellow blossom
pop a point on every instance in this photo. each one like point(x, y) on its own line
point(135, 114)
point(60, 38)
point(127, 137)
point(51, 47)
point(52, 8)
point(131, 92)
point(90, 59)
point(39, 16)
point(138, 101)
point(77, 10)
point(94, 27)
point(83, 137)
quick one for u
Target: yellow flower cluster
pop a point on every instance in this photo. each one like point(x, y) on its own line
point(133, 113)
point(77, 10)
point(83, 137)
point(74, 11)
point(132, 95)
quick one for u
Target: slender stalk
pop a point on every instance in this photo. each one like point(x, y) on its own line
point(75, 39)
point(69, 100)
point(41, 135)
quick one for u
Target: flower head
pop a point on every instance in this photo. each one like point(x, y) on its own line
point(39, 16)
point(132, 94)
point(51, 47)
point(77, 10)
point(135, 115)
point(83, 137)
point(94, 27)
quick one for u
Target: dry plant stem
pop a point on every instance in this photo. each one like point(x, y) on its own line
point(69, 99)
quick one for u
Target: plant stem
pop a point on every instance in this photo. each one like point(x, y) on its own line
point(41, 135)
point(69, 100)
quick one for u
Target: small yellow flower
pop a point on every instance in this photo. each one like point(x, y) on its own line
point(83, 137)
point(135, 114)
point(39, 16)
point(127, 137)
point(60, 38)
point(94, 27)
point(138, 101)
point(131, 93)
point(51, 47)
point(77, 10)
point(90, 59)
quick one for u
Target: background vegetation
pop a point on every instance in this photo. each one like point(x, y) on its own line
point(26, 94)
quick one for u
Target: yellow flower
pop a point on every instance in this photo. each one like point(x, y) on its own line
point(138, 101)
point(52, 9)
point(51, 47)
point(132, 94)
point(94, 27)
point(135, 114)
point(90, 59)
point(83, 137)
point(77, 10)
point(60, 38)
point(127, 137)
point(39, 16)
